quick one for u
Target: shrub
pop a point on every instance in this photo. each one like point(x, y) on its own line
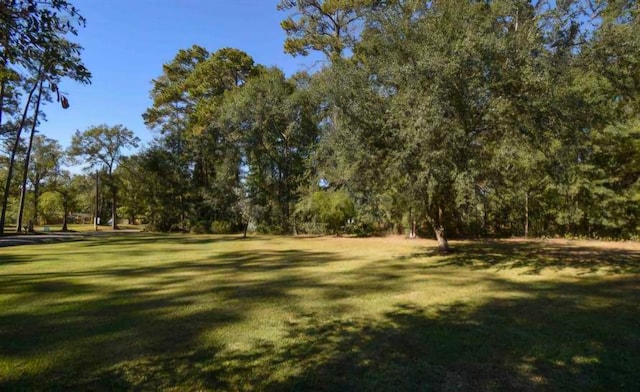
point(200, 227)
point(330, 208)
point(221, 227)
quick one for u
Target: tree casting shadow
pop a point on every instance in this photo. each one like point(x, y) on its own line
point(535, 257)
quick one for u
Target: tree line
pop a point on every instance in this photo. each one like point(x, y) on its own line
point(437, 118)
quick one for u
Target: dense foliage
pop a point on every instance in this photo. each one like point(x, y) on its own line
point(459, 118)
point(472, 118)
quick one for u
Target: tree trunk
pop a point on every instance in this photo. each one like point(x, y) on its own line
point(485, 207)
point(114, 191)
point(526, 214)
point(441, 237)
point(25, 172)
point(65, 209)
point(412, 223)
point(97, 208)
point(246, 227)
point(12, 159)
point(182, 212)
point(438, 228)
point(2, 92)
point(295, 227)
point(3, 84)
point(36, 196)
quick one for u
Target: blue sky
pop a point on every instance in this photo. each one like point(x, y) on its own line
point(126, 43)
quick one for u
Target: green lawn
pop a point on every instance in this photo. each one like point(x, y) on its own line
point(182, 312)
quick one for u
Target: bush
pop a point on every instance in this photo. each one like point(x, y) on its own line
point(200, 227)
point(312, 227)
point(221, 227)
point(333, 209)
point(162, 227)
point(266, 228)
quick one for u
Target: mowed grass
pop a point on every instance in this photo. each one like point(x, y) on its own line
point(180, 312)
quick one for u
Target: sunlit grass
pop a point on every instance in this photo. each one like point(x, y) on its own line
point(139, 311)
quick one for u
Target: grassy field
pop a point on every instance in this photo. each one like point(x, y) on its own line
point(181, 312)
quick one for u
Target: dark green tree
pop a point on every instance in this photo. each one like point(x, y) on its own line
point(275, 126)
point(328, 26)
point(187, 100)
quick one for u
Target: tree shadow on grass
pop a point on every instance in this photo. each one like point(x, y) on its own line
point(93, 336)
point(97, 239)
point(78, 337)
point(565, 337)
point(132, 239)
point(562, 337)
point(18, 240)
point(225, 263)
point(534, 257)
point(83, 325)
point(13, 259)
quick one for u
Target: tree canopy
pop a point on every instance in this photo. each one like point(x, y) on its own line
point(446, 118)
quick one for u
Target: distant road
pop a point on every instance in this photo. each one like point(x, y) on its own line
point(48, 238)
